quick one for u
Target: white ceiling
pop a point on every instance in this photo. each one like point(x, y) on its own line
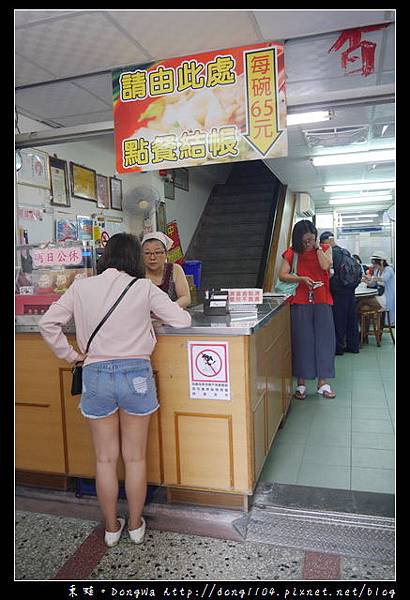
point(63, 60)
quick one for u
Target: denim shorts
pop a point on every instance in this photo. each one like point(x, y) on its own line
point(112, 384)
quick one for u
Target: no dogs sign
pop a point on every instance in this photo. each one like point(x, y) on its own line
point(209, 370)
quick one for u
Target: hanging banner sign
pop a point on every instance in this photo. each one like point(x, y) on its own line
point(220, 106)
point(174, 254)
point(209, 371)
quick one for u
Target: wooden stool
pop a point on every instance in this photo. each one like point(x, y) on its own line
point(368, 318)
point(386, 326)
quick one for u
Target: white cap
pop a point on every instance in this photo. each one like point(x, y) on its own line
point(378, 255)
point(158, 235)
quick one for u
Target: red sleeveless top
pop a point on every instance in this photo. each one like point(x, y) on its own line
point(308, 264)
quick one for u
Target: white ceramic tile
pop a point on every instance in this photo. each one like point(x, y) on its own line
point(336, 477)
point(372, 426)
point(327, 455)
point(373, 480)
point(373, 458)
point(382, 441)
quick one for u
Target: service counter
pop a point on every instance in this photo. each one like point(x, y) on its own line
point(203, 450)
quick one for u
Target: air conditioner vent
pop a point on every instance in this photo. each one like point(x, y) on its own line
point(304, 205)
point(336, 136)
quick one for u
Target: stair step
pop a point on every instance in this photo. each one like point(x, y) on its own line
point(236, 229)
point(217, 251)
point(241, 199)
point(253, 206)
point(229, 280)
point(245, 265)
point(253, 178)
point(229, 189)
point(235, 218)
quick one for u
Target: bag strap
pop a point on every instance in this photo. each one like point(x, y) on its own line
point(294, 262)
point(101, 323)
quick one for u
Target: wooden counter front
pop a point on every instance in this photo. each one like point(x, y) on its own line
point(197, 445)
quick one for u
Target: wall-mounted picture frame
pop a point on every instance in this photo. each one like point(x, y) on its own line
point(83, 182)
point(35, 168)
point(116, 193)
point(60, 195)
point(161, 216)
point(103, 191)
point(169, 189)
point(181, 178)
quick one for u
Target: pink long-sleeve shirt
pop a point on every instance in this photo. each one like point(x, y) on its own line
point(128, 331)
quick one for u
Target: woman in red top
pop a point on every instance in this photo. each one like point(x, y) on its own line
point(312, 329)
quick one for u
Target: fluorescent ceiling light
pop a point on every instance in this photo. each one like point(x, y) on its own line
point(359, 216)
point(360, 200)
point(359, 222)
point(353, 157)
point(308, 117)
point(352, 187)
point(364, 197)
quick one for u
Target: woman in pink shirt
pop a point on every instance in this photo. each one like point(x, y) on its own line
point(118, 394)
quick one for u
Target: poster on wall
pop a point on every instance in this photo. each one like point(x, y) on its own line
point(84, 228)
point(66, 229)
point(34, 169)
point(208, 371)
point(220, 106)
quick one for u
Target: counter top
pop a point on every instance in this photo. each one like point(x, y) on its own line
point(229, 325)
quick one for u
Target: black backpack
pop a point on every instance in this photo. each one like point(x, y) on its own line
point(348, 271)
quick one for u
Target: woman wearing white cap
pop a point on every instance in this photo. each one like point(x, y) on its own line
point(383, 274)
point(169, 277)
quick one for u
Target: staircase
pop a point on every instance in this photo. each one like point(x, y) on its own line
point(233, 236)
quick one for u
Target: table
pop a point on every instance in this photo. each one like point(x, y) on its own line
point(365, 292)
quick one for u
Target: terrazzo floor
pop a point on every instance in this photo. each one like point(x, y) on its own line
point(56, 547)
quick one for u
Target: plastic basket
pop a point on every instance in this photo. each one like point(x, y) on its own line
point(193, 267)
point(86, 487)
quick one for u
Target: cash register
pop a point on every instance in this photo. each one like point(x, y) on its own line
point(216, 303)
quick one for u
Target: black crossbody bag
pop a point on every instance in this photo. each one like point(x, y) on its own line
point(77, 370)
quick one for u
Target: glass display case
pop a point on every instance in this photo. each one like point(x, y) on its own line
point(43, 272)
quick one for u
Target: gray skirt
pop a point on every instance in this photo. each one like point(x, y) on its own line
point(313, 341)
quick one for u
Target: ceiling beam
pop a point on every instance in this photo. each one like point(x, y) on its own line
point(379, 94)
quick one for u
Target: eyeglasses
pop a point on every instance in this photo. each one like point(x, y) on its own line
point(157, 253)
point(309, 241)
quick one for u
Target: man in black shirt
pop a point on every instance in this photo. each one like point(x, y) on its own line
point(344, 302)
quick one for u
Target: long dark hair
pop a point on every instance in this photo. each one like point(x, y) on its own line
point(299, 230)
point(122, 252)
point(379, 262)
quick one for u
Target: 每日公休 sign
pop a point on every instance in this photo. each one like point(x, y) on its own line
point(220, 106)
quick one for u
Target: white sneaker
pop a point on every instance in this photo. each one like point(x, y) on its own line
point(111, 538)
point(137, 535)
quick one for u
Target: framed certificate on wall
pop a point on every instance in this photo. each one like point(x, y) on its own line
point(59, 182)
point(116, 193)
point(34, 168)
point(83, 182)
point(103, 192)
